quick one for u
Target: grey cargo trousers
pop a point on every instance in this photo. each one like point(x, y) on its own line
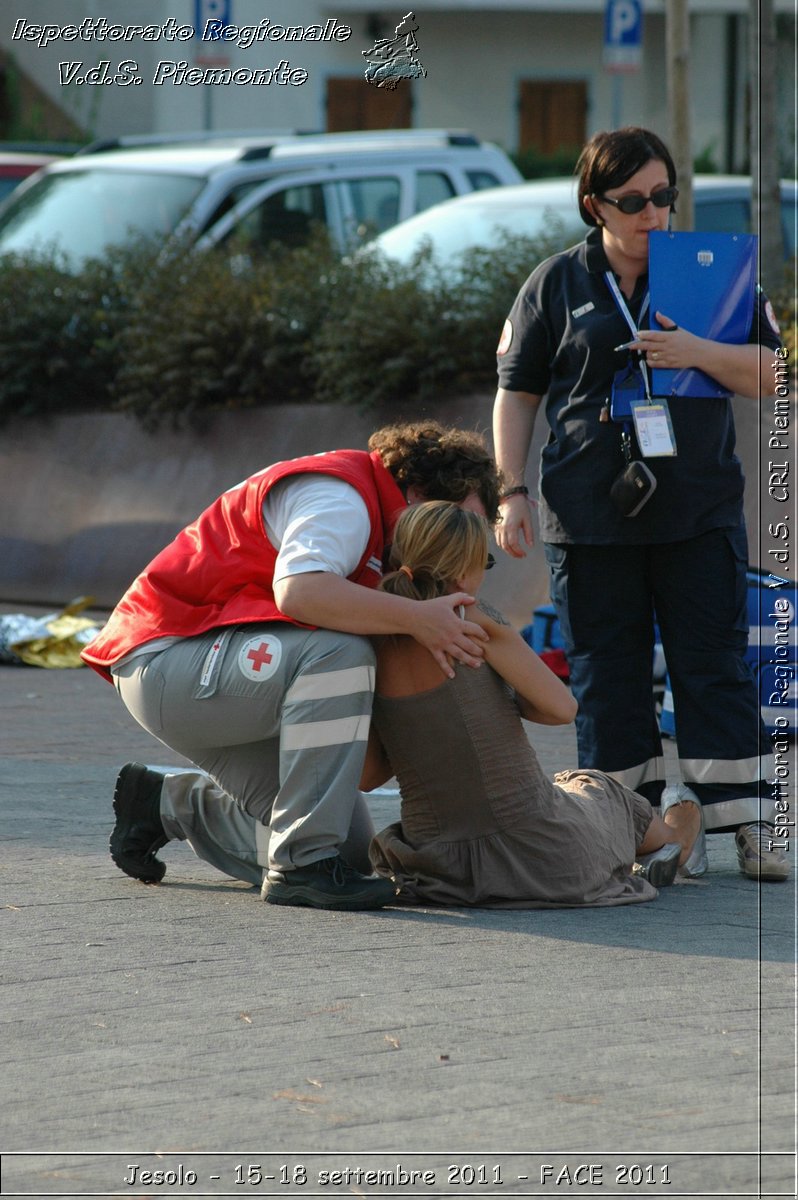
point(276, 717)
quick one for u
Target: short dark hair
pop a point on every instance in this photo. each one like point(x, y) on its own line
point(443, 462)
point(613, 156)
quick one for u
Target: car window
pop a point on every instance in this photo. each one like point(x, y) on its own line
point(7, 185)
point(375, 204)
point(732, 215)
point(482, 179)
point(83, 212)
point(286, 216)
point(228, 203)
point(431, 188)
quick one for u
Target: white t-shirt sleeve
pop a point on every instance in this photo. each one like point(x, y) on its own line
point(317, 523)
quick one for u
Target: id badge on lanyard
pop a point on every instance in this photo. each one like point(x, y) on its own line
point(652, 421)
point(630, 397)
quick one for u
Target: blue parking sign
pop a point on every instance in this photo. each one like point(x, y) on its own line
point(211, 10)
point(623, 35)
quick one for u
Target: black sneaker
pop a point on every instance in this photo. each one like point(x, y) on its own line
point(138, 831)
point(328, 883)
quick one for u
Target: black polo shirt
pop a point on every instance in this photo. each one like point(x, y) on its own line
point(562, 330)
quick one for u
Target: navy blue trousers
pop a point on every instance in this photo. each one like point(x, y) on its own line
point(607, 600)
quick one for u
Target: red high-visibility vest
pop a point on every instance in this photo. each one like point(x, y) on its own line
point(220, 569)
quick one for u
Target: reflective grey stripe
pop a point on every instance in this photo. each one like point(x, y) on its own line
point(313, 734)
point(741, 811)
point(325, 684)
point(767, 636)
point(727, 770)
point(262, 835)
point(650, 771)
point(770, 713)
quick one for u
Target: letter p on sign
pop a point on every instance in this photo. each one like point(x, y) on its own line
point(211, 10)
point(623, 35)
point(623, 17)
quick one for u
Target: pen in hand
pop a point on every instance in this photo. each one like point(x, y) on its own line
point(634, 341)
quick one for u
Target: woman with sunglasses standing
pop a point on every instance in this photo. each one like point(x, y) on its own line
point(674, 553)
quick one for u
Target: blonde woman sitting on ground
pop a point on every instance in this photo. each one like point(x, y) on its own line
point(480, 822)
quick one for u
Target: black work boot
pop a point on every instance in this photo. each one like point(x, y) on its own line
point(328, 883)
point(138, 831)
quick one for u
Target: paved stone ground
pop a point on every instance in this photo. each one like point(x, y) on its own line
point(188, 1027)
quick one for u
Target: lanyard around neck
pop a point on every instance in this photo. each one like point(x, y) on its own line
point(623, 308)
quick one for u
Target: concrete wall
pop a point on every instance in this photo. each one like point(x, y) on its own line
point(86, 501)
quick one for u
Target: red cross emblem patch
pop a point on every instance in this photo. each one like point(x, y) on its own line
point(259, 657)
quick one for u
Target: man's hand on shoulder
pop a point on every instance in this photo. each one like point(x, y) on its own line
point(439, 627)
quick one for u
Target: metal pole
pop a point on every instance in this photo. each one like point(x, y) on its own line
point(617, 100)
point(765, 191)
point(677, 48)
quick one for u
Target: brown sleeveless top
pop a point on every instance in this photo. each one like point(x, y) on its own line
point(480, 822)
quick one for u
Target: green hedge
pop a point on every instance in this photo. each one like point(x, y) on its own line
point(174, 336)
point(171, 336)
point(59, 333)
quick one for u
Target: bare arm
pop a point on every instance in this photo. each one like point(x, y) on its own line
point(746, 370)
point(514, 416)
point(376, 769)
point(323, 599)
point(541, 696)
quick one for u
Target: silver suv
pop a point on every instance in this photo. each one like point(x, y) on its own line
point(256, 189)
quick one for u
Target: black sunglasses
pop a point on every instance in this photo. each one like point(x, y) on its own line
point(664, 198)
point(490, 563)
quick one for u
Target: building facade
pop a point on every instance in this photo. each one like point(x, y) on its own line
point(528, 74)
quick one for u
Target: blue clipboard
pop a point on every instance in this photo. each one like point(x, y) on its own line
point(706, 283)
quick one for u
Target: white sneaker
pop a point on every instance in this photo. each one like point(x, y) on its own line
point(759, 855)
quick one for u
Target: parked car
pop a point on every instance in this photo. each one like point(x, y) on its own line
point(528, 210)
point(257, 189)
point(722, 204)
point(16, 166)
